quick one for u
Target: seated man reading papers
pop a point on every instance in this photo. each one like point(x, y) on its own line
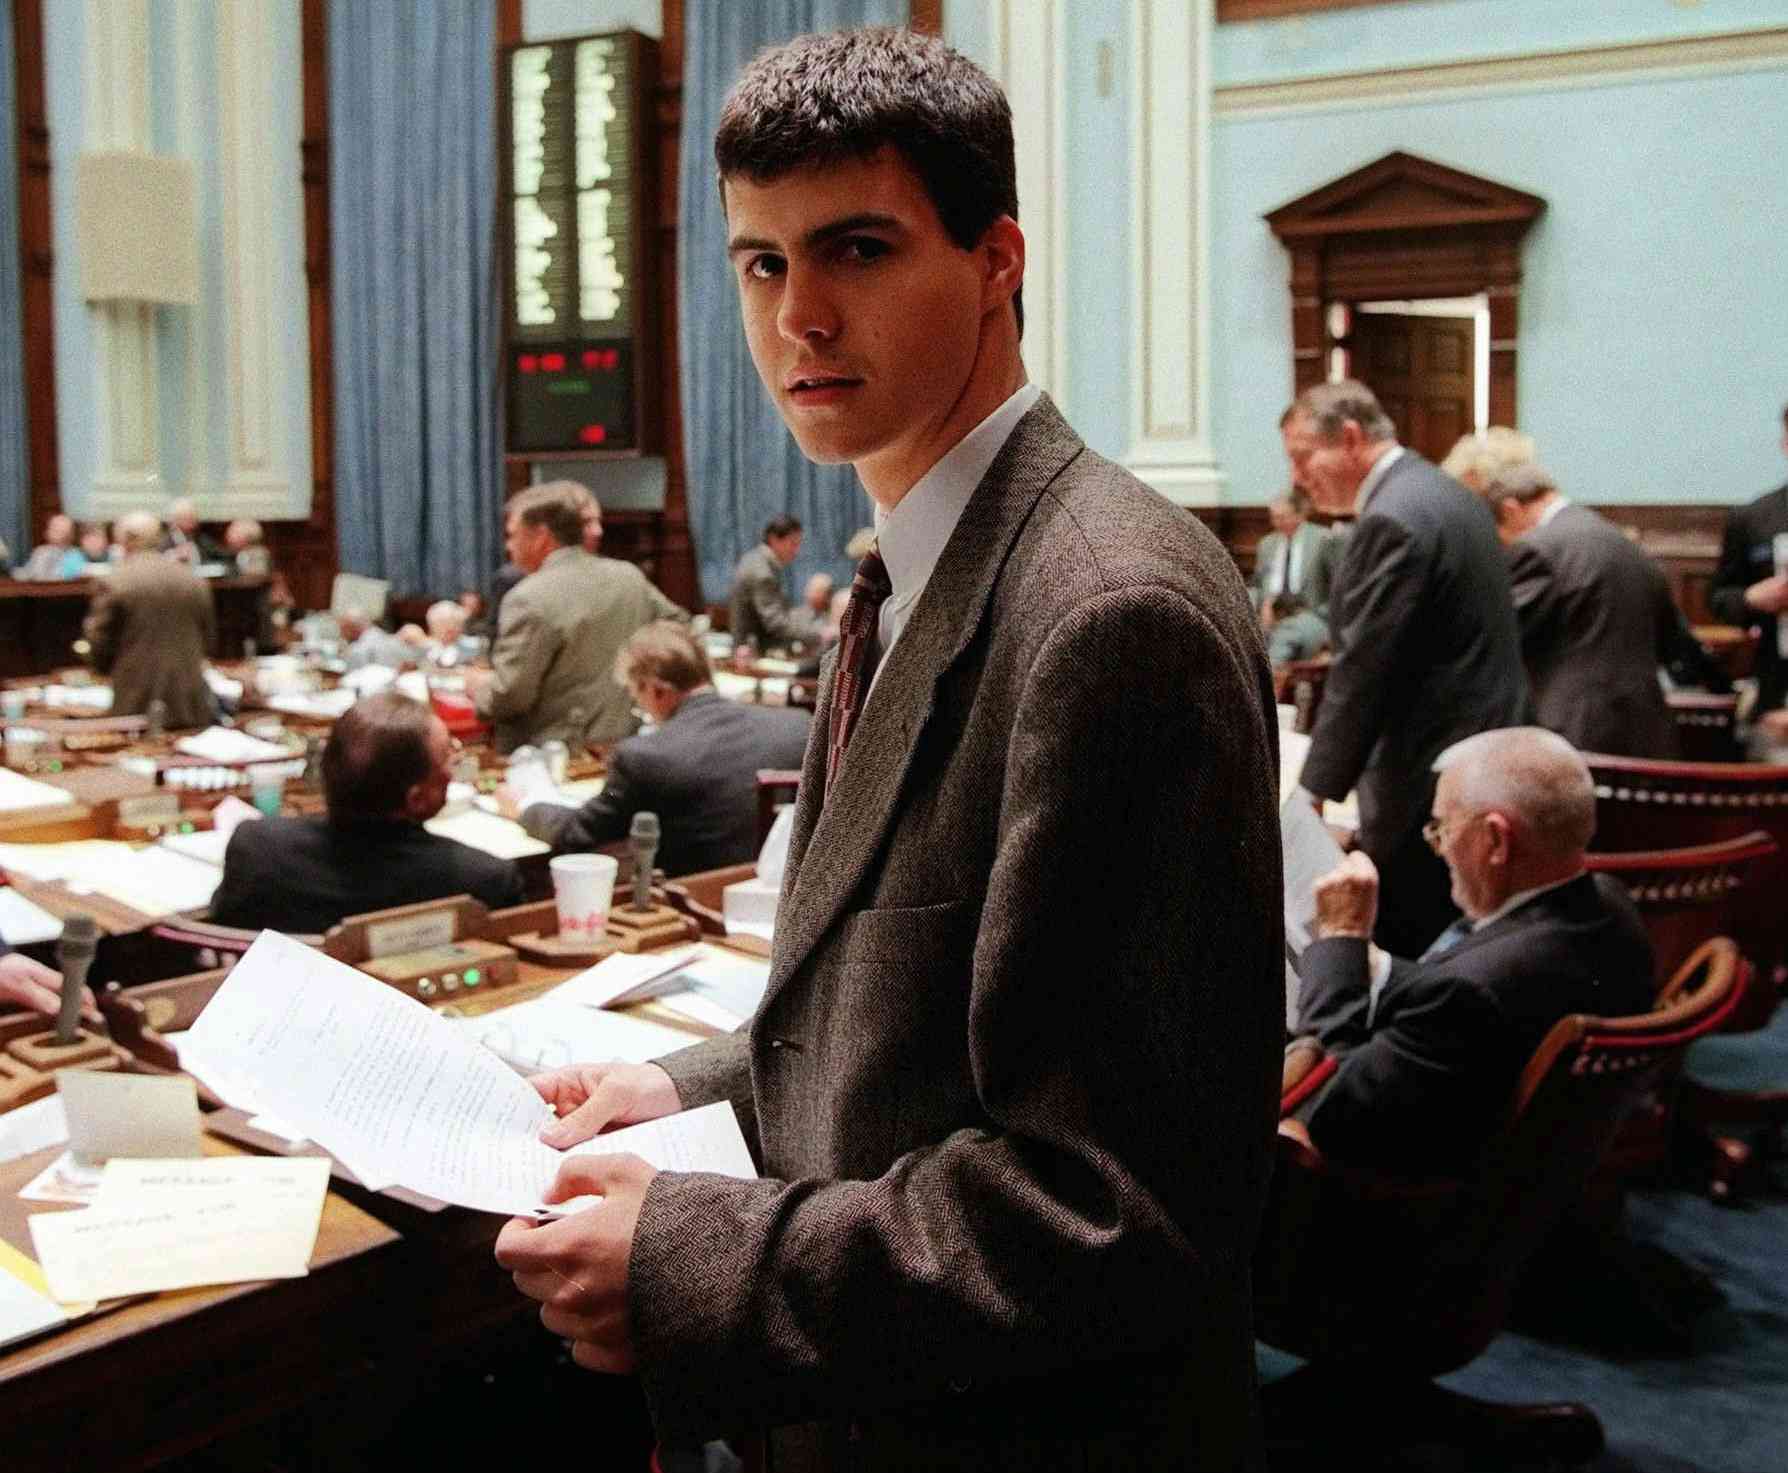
point(385, 773)
point(1430, 1049)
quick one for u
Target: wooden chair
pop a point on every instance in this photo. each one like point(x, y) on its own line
point(202, 946)
point(1300, 684)
point(1706, 727)
point(1382, 1283)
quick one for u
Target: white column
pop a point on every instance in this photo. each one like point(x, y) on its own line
point(128, 468)
point(1170, 252)
point(256, 472)
point(1030, 63)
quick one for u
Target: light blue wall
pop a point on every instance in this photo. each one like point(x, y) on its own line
point(186, 467)
point(1432, 31)
point(1653, 313)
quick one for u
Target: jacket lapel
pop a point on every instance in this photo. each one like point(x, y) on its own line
point(837, 834)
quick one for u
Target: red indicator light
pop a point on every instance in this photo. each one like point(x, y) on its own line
point(593, 434)
point(592, 358)
point(611, 358)
point(553, 362)
point(527, 363)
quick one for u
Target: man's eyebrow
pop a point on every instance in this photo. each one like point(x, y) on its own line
point(820, 234)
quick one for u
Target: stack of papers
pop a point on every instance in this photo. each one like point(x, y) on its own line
point(155, 881)
point(225, 744)
point(23, 923)
point(18, 792)
point(719, 989)
point(403, 1097)
point(179, 1223)
point(320, 705)
point(490, 832)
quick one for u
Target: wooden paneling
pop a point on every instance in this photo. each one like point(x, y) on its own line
point(1228, 10)
point(36, 262)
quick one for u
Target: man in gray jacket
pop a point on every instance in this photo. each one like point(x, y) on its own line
point(561, 627)
point(760, 612)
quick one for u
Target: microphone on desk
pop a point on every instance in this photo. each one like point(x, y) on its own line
point(74, 955)
point(643, 837)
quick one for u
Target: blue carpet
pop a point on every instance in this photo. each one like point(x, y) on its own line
point(1719, 1407)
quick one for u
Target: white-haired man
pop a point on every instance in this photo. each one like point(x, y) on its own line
point(1429, 1049)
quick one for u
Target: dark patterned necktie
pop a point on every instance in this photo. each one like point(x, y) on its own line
point(856, 652)
point(1449, 938)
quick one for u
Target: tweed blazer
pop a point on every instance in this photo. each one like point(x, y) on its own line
point(1426, 650)
point(553, 662)
point(151, 625)
point(1014, 1079)
point(1597, 621)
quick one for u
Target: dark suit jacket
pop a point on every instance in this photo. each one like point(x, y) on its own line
point(1014, 1078)
point(698, 773)
point(759, 609)
point(1597, 621)
point(305, 874)
point(150, 625)
point(1430, 1076)
point(1319, 555)
point(1426, 650)
point(1747, 553)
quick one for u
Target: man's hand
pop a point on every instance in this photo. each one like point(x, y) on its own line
point(32, 985)
point(1770, 595)
point(818, 593)
point(577, 1267)
point(589, 1098)
point(1347, 898)
point(507, 805)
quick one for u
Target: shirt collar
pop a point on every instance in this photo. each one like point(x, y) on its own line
point(1559, 503)
point(1519, 899)
point(911, 538)
point(1375, 476)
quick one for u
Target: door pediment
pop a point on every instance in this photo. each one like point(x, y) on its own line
point(1404, 192)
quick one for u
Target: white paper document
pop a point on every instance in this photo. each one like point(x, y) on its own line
point(22, 923)
point(32, 1128)
point(175, 1224)
point(1309, 852)
point(391, 1088)
point(111, 1114)
point(487, 831)
point(18, 792)
point(544, 1033)
point(225, 744)
point(25, 1310)
point(622, 978)
point(155, 881)
point(321, 705)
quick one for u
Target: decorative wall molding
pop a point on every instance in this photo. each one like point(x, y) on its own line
point(257, 473)
point(1535, 71)
point(1030, 62)
point(126, 391)
point(1170, 261)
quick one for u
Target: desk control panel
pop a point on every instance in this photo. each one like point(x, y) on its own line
point(442, 973)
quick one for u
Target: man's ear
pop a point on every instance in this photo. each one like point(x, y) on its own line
point(1002, 262)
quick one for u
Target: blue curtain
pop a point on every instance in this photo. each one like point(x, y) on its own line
point(743, 467)
point(15, 479)
point(413, 190)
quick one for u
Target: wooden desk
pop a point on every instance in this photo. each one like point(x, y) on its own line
point(132, 1387)
point(39, 622)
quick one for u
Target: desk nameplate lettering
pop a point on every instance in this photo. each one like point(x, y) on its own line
point(155, 809)
point(411, 933)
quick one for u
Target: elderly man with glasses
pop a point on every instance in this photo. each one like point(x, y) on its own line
point(1429, 1049)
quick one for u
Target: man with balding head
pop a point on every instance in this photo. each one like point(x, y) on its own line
point(150, 626)
point(1430, 1049)
point(559, 629)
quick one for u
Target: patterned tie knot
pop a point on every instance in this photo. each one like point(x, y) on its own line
point(856, 651)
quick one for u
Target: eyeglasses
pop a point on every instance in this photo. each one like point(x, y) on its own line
point(1435, 830)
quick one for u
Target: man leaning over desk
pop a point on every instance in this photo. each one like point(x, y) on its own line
point(1012, 1084)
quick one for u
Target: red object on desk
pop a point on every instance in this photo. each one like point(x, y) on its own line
point(457, 713)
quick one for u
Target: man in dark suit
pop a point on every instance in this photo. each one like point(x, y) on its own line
point(150, 627)
point(1429, 1050)
point(1012, 1083)
point(1426, 646)
point(1596, 615)
point(697, 769)
point(1296, 557)
point(385, 773)
point(759, 612)
point(1750, 587)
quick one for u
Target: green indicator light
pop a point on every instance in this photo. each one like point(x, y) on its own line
point(473, 976)
point(186, 827)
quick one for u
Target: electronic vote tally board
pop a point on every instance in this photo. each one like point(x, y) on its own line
point(580, 350)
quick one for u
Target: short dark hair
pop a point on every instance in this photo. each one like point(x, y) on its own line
point(781, 526)
point(829, 99)
point(557, 505)
point(1284, 605)
point(377, 752)
point(1330, 406)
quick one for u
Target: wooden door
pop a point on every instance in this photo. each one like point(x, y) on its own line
point(1421, 368)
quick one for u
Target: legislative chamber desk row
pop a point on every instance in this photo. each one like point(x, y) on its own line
point(404, 1330)
point(40, 622)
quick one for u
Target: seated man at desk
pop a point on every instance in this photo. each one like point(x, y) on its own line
point(1429, 1049)
point(56, 557)
point(385, 773)
point(696, 769)
point(149, 626)
point(760, 614)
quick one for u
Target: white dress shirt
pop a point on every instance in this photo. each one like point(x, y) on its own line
point(912, 537)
